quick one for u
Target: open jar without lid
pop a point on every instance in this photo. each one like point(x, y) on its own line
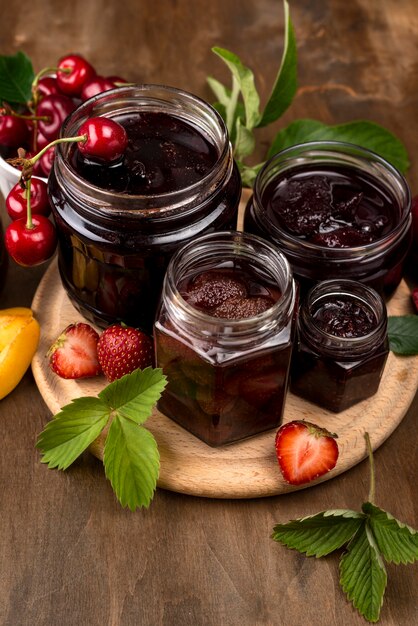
point(119, 225)
point(342, 345)
point(224, 335)
point(337, 211)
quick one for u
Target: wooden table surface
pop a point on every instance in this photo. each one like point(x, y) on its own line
point(69, 554)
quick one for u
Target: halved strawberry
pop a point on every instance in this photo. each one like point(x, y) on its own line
point(305, 451)
point(74, 353)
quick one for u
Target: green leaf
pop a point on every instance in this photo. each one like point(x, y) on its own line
point(134, 395)
point(132, 462)
point(320, 534)
point(16, 76)
point(363, 574)
point(363, 133)
point(396, 541)
point(72, 430)
point(248, 174)
point(285, 85)
point(244, 78)
point(403, 334)
point(244, 140)
point(222, 93)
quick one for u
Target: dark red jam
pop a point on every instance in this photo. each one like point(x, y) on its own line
point(336, 207)
point(164, 154)
point(342, 346)
point(118, 226)
point(220, 389)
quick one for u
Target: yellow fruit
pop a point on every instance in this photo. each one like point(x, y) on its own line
point(19, 338)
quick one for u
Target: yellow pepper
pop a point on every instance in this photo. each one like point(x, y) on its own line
point(19, 338)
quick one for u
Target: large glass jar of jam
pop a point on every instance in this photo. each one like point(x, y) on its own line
point(118, 226)
point(342, 345)
point(337, 211)
point(224, 336)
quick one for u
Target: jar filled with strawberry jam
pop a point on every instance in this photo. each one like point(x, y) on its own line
point(337, 211)
point(342, 345)
point(119, 225)
point(224, 335)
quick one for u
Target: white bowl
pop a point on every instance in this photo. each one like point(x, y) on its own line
point(9, 176)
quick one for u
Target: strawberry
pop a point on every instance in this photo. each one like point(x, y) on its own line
point(123, 349)
point(74, 353)
point(305, 451)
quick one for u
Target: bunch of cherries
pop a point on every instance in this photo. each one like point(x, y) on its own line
point(31, 238)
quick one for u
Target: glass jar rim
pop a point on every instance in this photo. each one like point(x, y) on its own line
point(237, 327)
point(318, 337)
point(330, 149)
point(152, 96)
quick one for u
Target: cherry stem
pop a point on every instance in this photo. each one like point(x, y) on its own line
point(77, 139)
point(45, 71)
point(29, 223)
point(371, 461)
point(32, 118)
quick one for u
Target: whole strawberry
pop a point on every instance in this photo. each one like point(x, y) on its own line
point(123, 349)
point(74, 353)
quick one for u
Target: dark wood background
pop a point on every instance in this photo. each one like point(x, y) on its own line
point(69, 554)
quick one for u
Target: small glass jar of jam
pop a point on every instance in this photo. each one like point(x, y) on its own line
point(337, 211)
point(342, 345)
point(119, 225)
point(224, 336)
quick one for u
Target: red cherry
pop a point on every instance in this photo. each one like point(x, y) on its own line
point(106, 139)
point(13, 131)
point(56, 108)
point(47, 86)
point(41, 141)
point(31, 246)
point(47, 161)
point(16, 204)
point(81, 71)
point(116, 79)
point(96, 85)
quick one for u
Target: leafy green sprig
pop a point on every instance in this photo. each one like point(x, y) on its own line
point(370, 536)
point(239, 105)
point(131, 457)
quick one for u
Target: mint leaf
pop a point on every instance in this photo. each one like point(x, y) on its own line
point(403, 334)
point(366, 134)
point(363, 574)
point(285, 85)
point(244, 140)
point(248, 174)
point(244, 79)
point(396, 541)
point(222, 93)
point(134, 395)
point(16, 76)
point(72, 430)
point(321, 534)
point(131, 461)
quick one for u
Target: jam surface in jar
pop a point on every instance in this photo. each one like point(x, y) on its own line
point(342, 346)
point(227, 375)
point(164, 154)
point(336, 207)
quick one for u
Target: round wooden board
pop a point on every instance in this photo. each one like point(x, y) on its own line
point(249, 468)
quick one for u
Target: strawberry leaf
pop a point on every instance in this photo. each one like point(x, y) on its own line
point(134, 395)
point(132, 462)
point(363, 574)
point(321, 534)
point(286, 83)
point(403, 334)
point(366, 134)
point(396, 541)
point(16, 76)
point(72, 430)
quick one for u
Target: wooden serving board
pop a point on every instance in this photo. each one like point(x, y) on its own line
point(249, 468)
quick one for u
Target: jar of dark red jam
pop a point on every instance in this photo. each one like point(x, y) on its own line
point(119, 225)
point(337, 211)
point(342, 345)
point(224, 336)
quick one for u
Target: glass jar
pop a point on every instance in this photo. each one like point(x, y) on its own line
point(114, 246)
point(342, 345)
point(227, 378)
point(354, 224)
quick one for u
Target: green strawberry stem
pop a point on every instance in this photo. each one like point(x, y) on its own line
point(371, 461)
